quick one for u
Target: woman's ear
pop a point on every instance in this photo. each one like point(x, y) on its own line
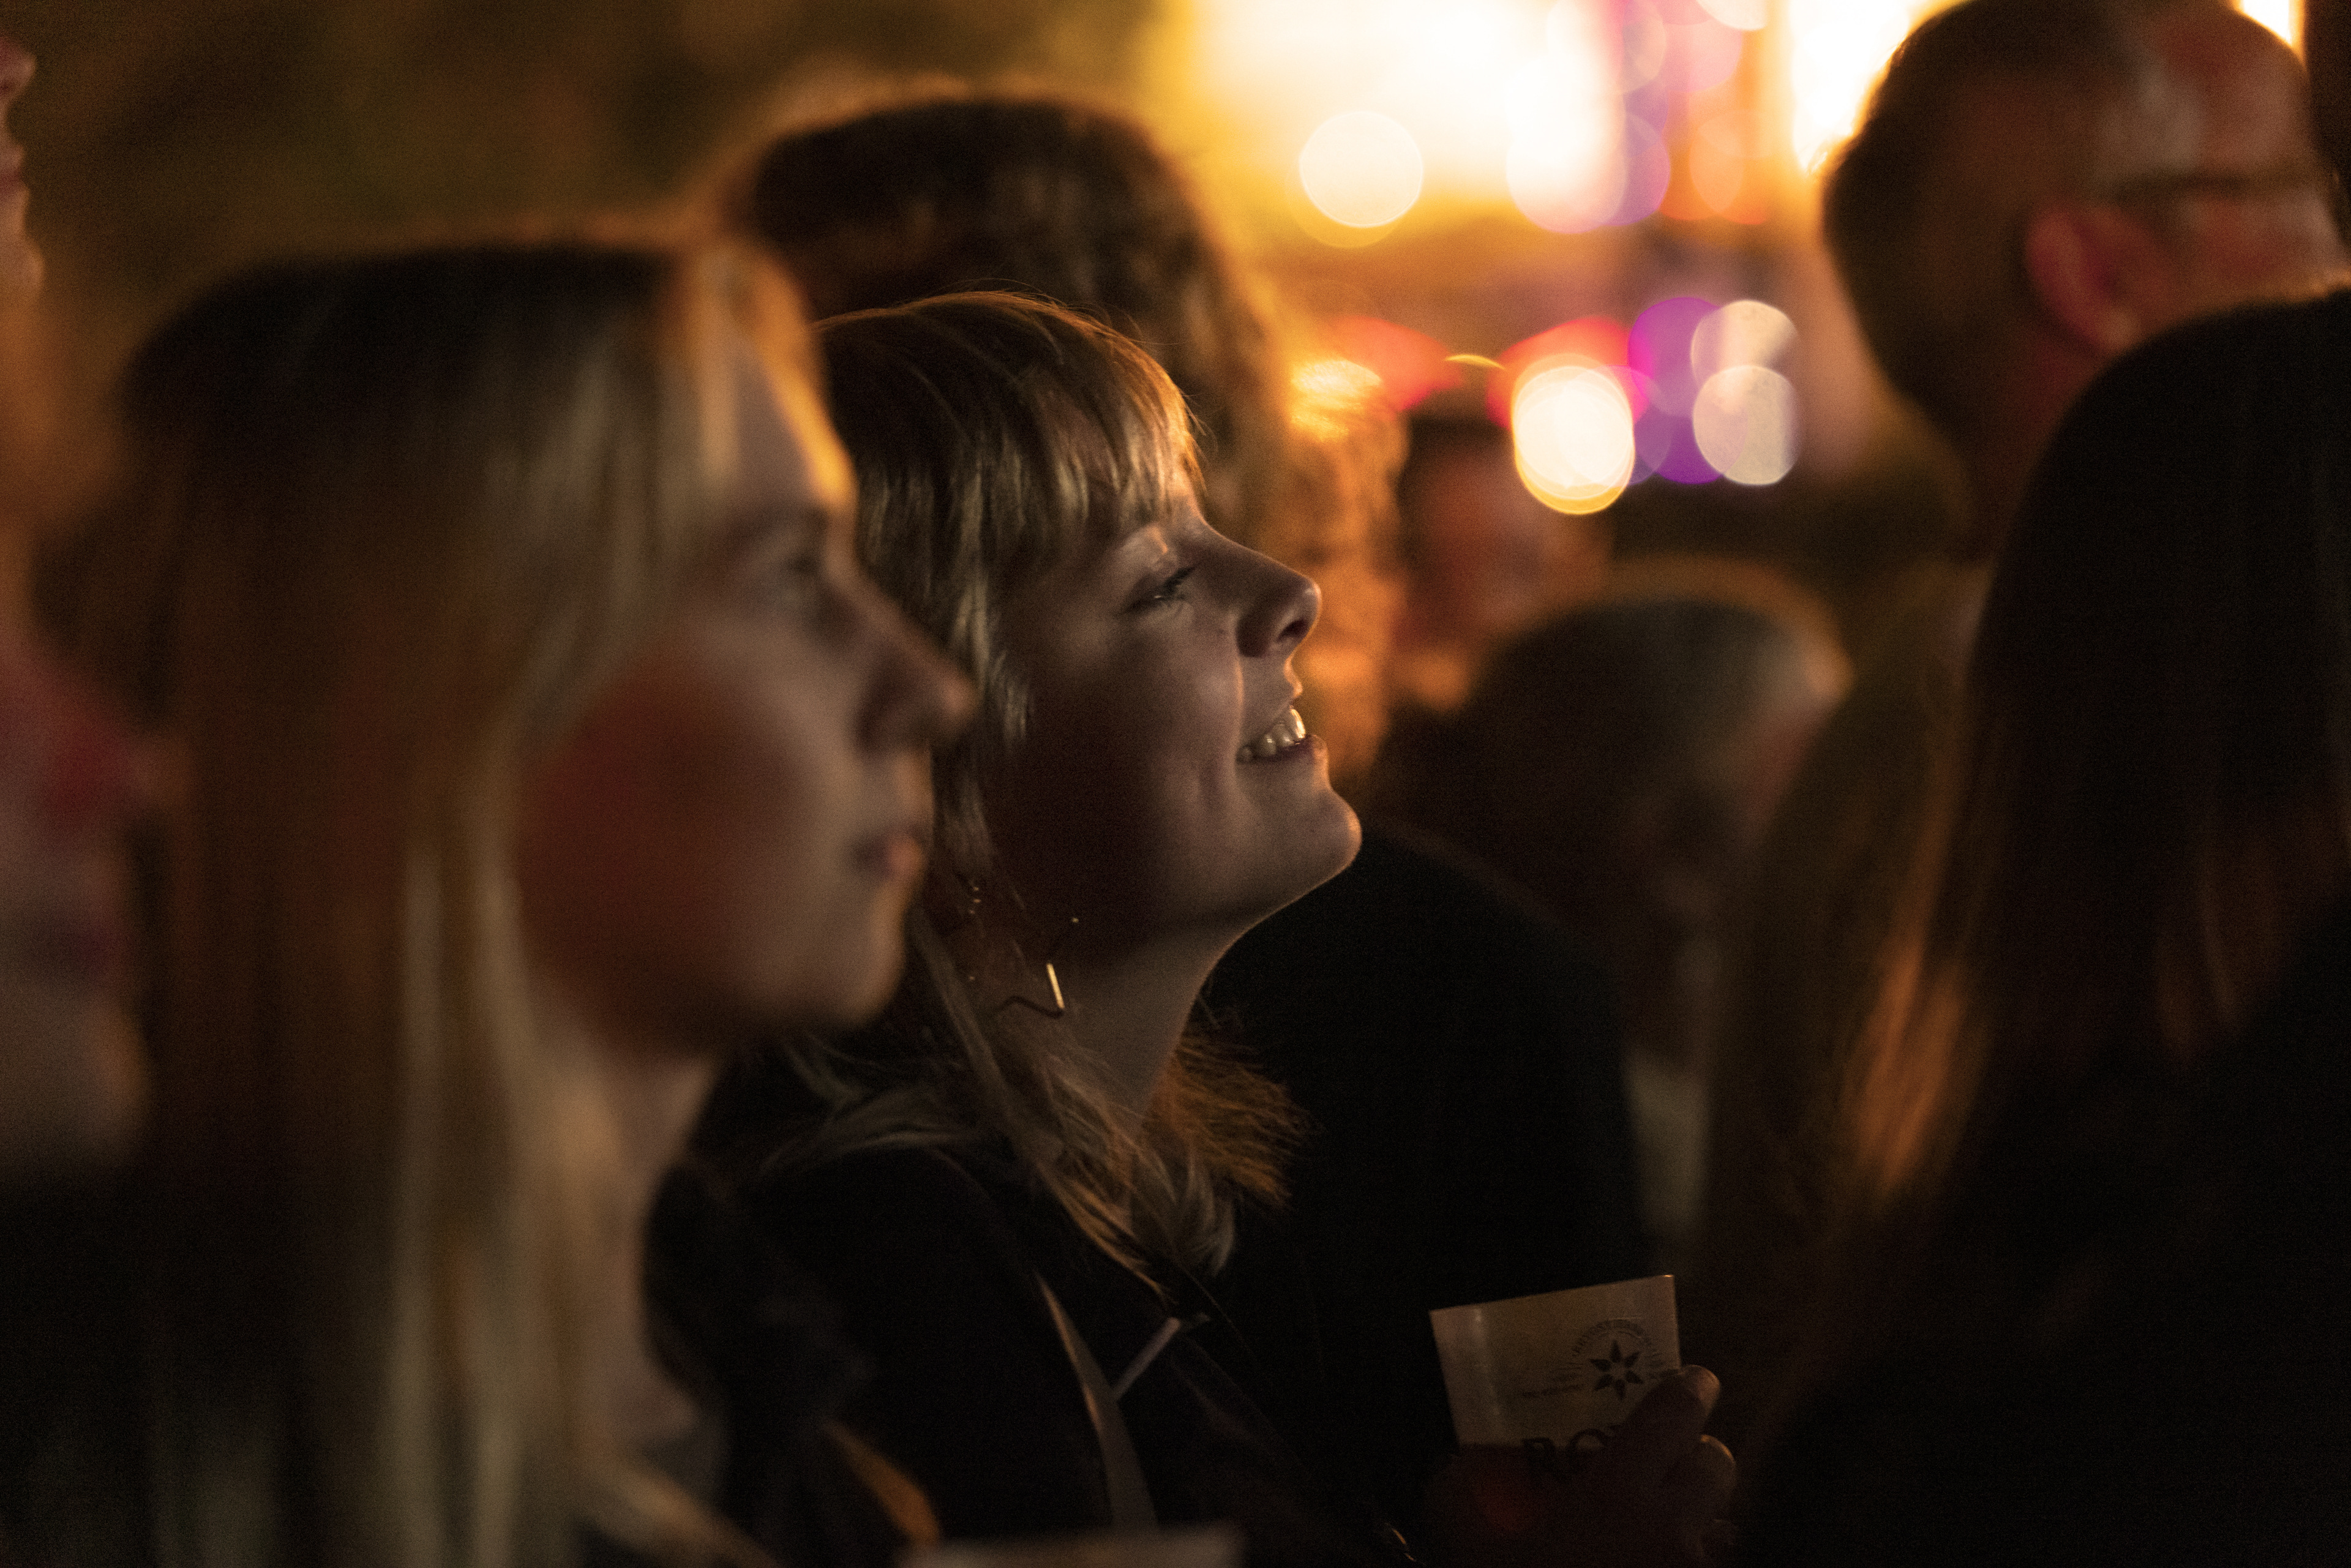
point(2086, 263)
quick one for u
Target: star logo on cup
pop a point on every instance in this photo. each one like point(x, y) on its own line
point(1616, 1370)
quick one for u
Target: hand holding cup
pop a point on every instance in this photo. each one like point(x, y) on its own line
point(1652, 1498)
point(1582, 1436)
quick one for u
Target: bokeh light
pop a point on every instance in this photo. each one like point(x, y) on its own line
point(1659, 348)
point(1723, 149)
point(1745, 421)
point(1573, 433)
point(1361, 169)
point(1836, 50)
point(1566, 164)
point(1648, 169)
point(1591, 339)
point(1410, 365)
point(1702, 55)
point(1747, 16)
point(1336, 383)
point(1743, 332)
point(1642, 46)
point(1254, 79)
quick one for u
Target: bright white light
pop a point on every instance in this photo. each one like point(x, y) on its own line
point(1747, 16)
point(1564, 190)
point(1574, 431)
point(1743, 332)
point(1745, 420)
point(2280, 17)
point(1363, 170)
point(1565, 168)
point(1840, 46)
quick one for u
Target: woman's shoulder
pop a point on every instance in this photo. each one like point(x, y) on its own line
point(899, 1235)
point(899, 1198)
point(974, 1393)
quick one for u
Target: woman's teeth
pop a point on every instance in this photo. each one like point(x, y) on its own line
point(1288, 732)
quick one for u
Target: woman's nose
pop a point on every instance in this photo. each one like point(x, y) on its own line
point(1282, 609)
point(918, 698)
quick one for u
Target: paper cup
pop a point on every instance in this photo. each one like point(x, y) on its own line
point(1193, 1546)
point(1566, 1368)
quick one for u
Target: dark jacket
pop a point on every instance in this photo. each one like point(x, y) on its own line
point(939, 1263)
point(760, 1347)
point(1457, 1061)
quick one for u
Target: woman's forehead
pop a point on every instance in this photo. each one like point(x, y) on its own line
point(1161, 494)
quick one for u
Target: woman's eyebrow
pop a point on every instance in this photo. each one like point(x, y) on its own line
point(1150, 542)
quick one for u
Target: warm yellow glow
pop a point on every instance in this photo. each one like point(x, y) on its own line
point(1266, 73)
point(1743, 332)
point(1720, 150)
point(1409, 365)
point(1836, 50)
point(2282, 18)
point(1336, 381)
point(1709, 53)
point(1745, 420)
point(1573, 431)
point(1363, 170)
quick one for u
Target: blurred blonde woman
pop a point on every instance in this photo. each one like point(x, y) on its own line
point(542, 744)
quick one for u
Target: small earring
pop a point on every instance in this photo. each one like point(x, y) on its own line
point(1052, 981)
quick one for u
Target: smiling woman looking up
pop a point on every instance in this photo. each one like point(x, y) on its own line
point(1030, 1158)
point(542, 744)
point(1018, 1181)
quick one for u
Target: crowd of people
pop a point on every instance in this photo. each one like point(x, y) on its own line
point(677, 897)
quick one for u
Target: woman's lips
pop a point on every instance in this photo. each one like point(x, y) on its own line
point(1286, 734)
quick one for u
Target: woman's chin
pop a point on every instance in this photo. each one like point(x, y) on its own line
point(1339, 834)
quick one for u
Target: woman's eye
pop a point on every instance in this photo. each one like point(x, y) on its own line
point(1167, 590)
point(791, 577)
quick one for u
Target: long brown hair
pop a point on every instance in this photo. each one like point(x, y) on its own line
point(2151, 801)
point(384, 528)
point(990, 433)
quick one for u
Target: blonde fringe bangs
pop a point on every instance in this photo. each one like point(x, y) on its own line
point(990, 433)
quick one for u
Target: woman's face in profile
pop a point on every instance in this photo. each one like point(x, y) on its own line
point(728, 838)
point(1166, 782)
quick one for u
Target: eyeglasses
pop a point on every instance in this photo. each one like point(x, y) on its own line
point(2241, 185)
